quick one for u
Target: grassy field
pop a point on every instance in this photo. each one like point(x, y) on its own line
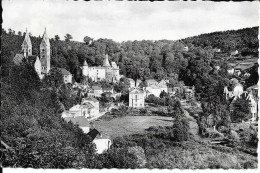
point(129, 125)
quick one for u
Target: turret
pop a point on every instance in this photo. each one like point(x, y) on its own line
point(27, 45)
point(85, 70)
point(45, 53)
point(106, 62)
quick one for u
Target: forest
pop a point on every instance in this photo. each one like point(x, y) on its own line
point(31, 123)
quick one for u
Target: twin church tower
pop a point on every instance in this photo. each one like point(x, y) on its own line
point(107, 71)
point(42, 65)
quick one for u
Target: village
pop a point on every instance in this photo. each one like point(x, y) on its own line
point(100, 98)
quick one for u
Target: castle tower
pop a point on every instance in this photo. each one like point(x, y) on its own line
point(27, 45)
point(45, 53)
point(106, 62)
point(85, 70)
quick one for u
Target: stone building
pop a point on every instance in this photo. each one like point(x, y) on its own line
point(136, 98)
point(42, 64)
point(105, 72)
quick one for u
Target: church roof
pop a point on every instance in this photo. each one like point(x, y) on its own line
point(106, 62)
point(64, 71)
point(45, 38)
point(85, 63)
point(90, 99)
point(135, 91)
point(32, 59)
point(18, 59)
point(27, 41)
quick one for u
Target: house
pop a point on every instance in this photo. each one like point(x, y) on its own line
point(88, 108)
point(189, 92)
point(252, 106)
point(97, 91)
point(67, 76)
point(102, 144)
point(254, 90)
point(151, 82)
point(136, 98)
point(233, 53)
point(155, 88)
point(108, 89)
point(138, 81)
point(94, 111)
point(186, 49)
point(131, 82)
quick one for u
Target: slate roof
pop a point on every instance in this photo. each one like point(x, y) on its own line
point(64, 71)
point(32, 59)
point(87, 105)
point(93, 133)
point(91, 99)
point(18, 59)
point(96, 87)
point(85, 63)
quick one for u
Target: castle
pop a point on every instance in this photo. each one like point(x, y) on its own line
point(42, 64)
point(105, 72)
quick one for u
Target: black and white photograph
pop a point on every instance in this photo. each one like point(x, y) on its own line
point(129, 85)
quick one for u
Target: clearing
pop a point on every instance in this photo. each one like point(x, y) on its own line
point(129, 125)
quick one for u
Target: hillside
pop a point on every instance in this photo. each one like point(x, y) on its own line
point(244, 40)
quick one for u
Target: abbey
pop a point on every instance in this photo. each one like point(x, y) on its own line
point(42, 64)
point(105, 72)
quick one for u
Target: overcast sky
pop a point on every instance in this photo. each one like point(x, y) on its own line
point(122, 21)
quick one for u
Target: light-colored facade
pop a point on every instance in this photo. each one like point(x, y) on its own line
point(45, 53)
point(88, 108)
point(67, 76)
point(155, 88)
point(105, 72)
point(136, 98)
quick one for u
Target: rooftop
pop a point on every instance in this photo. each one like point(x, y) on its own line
point(64, 71)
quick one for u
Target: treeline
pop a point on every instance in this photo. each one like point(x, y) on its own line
point(140, 59)
point(244, 40)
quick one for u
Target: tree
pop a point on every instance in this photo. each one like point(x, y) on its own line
point(163, 94)
point(68, 37)
point(181, 128)
point(87, 40)
point(57, 38)
point(19, 33)
point(241, 109)
point(54, 78)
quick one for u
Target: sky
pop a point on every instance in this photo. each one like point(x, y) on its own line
point(123, 21)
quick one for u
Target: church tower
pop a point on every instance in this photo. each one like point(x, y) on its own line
point(27, 45)
point(85, 70)
point(45, 53)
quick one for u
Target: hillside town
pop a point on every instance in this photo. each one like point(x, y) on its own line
point(162, 93)
point(89, 109)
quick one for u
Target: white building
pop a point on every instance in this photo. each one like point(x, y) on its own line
point(155, 88)
point(105, 72)
point(136, 98)
point(67, 76)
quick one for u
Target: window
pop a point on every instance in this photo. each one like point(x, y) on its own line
point(42, 50)
point(43, 56)
point(136, 97)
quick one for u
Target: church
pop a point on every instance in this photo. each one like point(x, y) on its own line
point(42, 65)
point(105, 72)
